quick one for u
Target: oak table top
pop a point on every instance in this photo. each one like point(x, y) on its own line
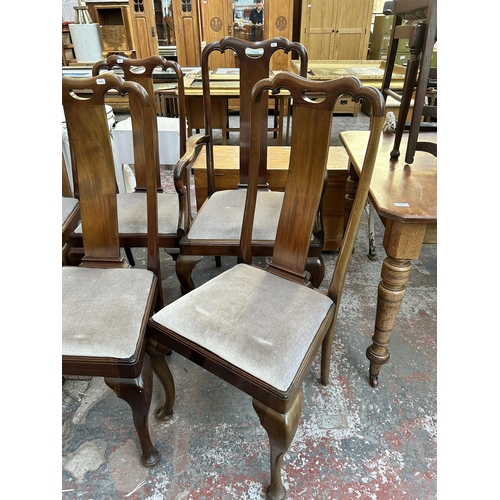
point(407, 193)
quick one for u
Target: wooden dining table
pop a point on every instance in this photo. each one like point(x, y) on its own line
point(405, 198)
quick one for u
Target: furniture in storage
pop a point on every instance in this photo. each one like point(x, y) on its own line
point(216, 229)
point(105, 304)
point(415, 20)
point(260, 329)
point(174, 208)
point(336, 30)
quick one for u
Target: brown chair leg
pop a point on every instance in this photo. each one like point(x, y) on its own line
point(184, 265)
point(281, 429)
point(157, 353)
point(137, 393)
point(130, 256)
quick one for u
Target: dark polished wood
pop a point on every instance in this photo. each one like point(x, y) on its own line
point(252, 68)
point(421, 36)
point(92, 156)
point(278, 408)
point(72, 220)
point(141, 72)
point(405, 197)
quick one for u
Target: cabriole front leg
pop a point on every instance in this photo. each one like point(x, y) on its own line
point(137, 393)
point(184, 266)
point(281, 429)
point(157, 353)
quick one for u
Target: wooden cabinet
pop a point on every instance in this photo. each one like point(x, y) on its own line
point(336, 29)
point(144, 28)
point(278, 21)
point(227, 177)
point(115, 27)
point(217, 16)
point(187, 27)
point(218, 22)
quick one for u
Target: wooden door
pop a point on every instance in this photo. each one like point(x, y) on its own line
point(187, 27)
point(337, 29)
point(144, 28)
point(278, 21)
point(352, 29)
point(218, 22)
point(317, 28)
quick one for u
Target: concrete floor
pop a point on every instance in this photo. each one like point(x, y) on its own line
point(353, 441)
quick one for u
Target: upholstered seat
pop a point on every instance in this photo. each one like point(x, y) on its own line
point(132, 214)
point(68, 206)
point(247, 332)
point(221, 217)
point(110, 300)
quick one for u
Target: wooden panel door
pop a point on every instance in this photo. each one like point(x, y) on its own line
point(278, 21)
point(317, 28)
point(144, 28)
point(336, 30)
point(352, 29)
point(187, 27)
point(218, 21)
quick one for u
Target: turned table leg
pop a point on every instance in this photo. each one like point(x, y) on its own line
point(402, 243)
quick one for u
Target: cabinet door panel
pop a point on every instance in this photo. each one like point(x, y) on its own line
point(353, 29)
point(187, 27)
point(143, 19)
point(337, 29)
point(218, 23)
point(317, 29)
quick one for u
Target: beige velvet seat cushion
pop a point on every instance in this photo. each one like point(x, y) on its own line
point(256, 321)
point(222, 214)
point(102, 310)
point(132, 213)
point(68, 204)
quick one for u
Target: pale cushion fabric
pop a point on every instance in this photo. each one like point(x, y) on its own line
point(221, 216)
point(102, 310)
point(132, 213)
point(68, 204)
point(256, 321)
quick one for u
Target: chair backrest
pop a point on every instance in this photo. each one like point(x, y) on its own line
point(141, 72)
point(253, 61)
point(313, 104)
point(90, 143)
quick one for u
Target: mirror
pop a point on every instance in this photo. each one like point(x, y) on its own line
point(248, 21)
